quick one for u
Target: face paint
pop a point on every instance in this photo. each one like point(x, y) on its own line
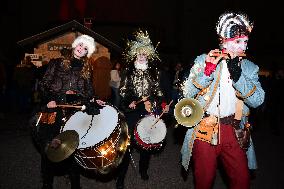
point(80, 50)
point(236, 45)
point(141, 62)
point(141, 58)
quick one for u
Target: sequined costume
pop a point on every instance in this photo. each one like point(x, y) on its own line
point(137, 84)
point(141, 80)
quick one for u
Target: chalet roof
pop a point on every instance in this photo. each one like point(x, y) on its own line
point(70, 26)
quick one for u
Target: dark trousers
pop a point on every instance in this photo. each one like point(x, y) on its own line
point(123, 167)
point(115, 96)
point(50, 169)
point(132, 119)
point(233, 158)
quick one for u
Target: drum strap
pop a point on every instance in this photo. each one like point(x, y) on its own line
point(46, 118)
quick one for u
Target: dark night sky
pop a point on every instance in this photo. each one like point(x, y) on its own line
point(184, 28)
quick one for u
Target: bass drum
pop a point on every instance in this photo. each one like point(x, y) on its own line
point(103, 138)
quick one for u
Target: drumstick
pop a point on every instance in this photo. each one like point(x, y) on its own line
point(165, 108)
point(143, 98)
point(161, 114)
point(38, 119)
point(71, 106)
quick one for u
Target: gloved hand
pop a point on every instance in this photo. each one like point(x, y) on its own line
point(234, 68)
point(243, 137)
point(92, 108)
point(209, 68)
point(72, 98)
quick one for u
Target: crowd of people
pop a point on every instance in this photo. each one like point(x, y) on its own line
point(223, 81)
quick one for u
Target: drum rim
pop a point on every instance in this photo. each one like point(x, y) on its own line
point(147, 116)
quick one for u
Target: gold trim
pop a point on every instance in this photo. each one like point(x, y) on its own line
point(193, 137)
point(215, 87)
point(246, 115)
point(197, 85)
point(248, 95)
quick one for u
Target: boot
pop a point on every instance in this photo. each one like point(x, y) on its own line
point(144, 175)
point(47, 186)
point(119, 183)
point(144, 164)
point(46, 174)
point(74, 176)
point(122, 170)
point(47, 182)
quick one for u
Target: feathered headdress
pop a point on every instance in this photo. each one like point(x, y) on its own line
point(231, 25)
point(142, 44)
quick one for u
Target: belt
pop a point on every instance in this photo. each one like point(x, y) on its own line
point(229, 120)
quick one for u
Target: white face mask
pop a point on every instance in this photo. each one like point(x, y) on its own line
point(141, 62)
point(236, 45)
point(80, 50)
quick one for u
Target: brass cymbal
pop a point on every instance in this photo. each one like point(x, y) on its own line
point(67, 143)
point(188, 112)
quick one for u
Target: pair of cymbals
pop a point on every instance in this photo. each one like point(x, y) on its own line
point(66, 143)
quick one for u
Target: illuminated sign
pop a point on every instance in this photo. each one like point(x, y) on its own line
point(57, 47)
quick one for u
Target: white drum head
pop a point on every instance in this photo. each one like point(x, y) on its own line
point(91, 133)
point(149, 132)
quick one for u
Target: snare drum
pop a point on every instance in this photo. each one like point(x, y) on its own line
point(103, 138)
point(150, 133)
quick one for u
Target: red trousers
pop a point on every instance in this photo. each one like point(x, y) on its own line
point(233, 159)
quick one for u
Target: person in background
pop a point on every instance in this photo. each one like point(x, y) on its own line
point(176, 77)
point(275, 107)
point(24, 76)
point(115, 84)
point(2, 89)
